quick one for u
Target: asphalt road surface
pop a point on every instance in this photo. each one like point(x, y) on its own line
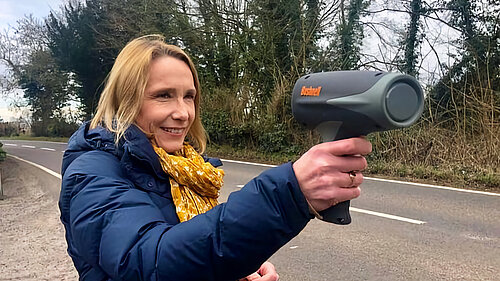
point(400, 231)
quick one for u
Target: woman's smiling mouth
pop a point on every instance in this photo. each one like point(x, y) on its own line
point(175, 131)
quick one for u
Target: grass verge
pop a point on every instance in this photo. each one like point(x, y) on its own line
point(455, 176)
point(30, 138)
point(449, 175)
point(3, 154)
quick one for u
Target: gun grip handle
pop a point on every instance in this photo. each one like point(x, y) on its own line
point(338, 214)
point(330, 131)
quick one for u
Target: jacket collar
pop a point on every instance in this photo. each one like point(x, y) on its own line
point(134, 146)
point(137, 144)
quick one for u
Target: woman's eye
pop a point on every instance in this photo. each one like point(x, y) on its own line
point(190, 96)
point(164, 95)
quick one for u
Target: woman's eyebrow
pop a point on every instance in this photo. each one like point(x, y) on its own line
point(161, 89)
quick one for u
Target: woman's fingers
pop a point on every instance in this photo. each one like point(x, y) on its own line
point(266, 272)
point(353, 179)
point(330, 173)
point(352, 146)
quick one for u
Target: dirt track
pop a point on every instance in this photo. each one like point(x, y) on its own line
point(32, 244)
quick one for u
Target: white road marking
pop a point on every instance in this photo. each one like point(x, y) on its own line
point(384, 180)
point(28, 146)
point(435, 186)
point(248, 163)
point(387, 216)
point(48, 149)
point(294, 247)
point(57, 175)
point(240, 185)
point(10, 144)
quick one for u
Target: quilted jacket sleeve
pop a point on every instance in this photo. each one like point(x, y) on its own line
point(119, 229)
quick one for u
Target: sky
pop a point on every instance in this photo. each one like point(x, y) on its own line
point(10, 12)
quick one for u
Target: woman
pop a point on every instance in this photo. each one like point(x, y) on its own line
point(139, 203)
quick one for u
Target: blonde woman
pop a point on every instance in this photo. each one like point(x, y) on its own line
point(138, 202)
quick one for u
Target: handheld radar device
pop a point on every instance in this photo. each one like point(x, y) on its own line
point(345, 104)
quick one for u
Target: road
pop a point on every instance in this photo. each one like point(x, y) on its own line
point(400, 231)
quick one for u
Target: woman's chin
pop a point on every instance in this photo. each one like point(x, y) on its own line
point(171, 147)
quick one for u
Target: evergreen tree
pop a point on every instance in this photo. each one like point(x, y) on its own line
point(73, 43)
point(347, 41)
point(412, 39)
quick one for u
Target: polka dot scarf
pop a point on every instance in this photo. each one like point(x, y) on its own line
point(195, 184)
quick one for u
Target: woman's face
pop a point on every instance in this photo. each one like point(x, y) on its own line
point(168, 106)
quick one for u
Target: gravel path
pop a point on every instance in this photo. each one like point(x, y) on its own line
point(32, 244)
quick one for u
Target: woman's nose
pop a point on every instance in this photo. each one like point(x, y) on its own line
point(181, 111)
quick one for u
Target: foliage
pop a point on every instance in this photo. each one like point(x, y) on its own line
point(46, 88)
point(72, 42)
point(350, 34)
point(86, 37)
point(3, 154)
point(412, 39)
point(249, 53)
point(467, 98)
point(8, 130)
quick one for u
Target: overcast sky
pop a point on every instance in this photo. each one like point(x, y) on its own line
point(10, 12)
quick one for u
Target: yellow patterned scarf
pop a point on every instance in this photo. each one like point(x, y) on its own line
point(195, 184)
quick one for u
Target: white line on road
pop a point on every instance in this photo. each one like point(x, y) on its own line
point(28, 146)
point(57, 175)
point(387, 216)
point(378, 214)
point(10, 144)
point(435, 186)
point(48, 149)
point(352, 208)
point(384, 180)
point(368, 178)
point(248, 163)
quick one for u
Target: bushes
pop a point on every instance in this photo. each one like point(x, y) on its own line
point(3, 154)
point(220, 130)
point(53, 128)
point(266, 136)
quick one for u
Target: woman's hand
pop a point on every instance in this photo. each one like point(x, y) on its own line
point(329, 173)
point(266, 272)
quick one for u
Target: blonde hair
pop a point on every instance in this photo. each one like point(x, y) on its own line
point(121, 99)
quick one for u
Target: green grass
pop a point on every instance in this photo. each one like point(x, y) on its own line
point(30, 138)
point(252, 155)
point(460, 177)
point(3, 154)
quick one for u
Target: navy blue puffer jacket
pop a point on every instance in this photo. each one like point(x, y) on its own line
point(121, 223)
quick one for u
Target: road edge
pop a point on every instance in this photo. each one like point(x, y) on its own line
point(50, 185)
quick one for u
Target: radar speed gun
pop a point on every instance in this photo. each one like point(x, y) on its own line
point(345, 104)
